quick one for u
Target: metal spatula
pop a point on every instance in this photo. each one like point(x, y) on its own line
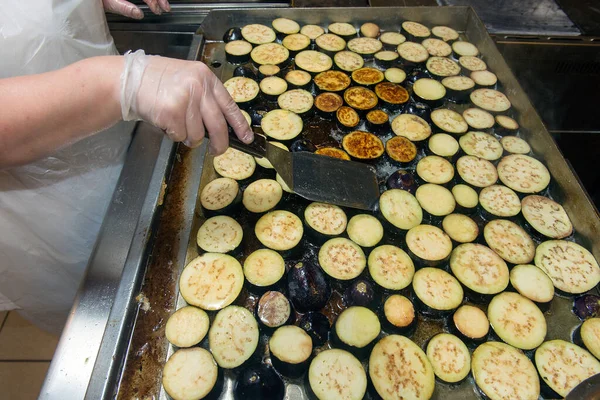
point(315, 177)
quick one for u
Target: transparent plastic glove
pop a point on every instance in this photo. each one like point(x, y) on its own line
point(184, 98)
point(127, 9)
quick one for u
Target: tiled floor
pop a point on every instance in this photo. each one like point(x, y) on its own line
point(25, 354)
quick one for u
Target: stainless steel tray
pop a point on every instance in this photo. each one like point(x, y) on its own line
point(565, 187)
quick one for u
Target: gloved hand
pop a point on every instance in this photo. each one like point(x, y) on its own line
point(127, 9)
point(184, 98)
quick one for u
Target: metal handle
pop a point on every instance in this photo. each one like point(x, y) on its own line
point(257, 148)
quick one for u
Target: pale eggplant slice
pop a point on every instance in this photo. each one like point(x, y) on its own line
point(438, 291)
point(262, 195)
point(533, 283)
point(449, 357)
point(187, 326)
point(479, 268)
point(336, 374)
point(190, 374)
point(279, 230)
point(509, 241)
point(476, 171)
point(390, 267)
point(233, 336)
point(342, 259)
point(234, 164)
point(481, 144)
point(499, 201)
point(264, 267)
point(523, 174)
point(546, 216)
point(258, 34)
point(220, 234)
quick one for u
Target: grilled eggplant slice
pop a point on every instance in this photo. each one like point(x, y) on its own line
point(257, 382)
point(395, 75)
point(390, 267)
point(400, 208)
point(476, 171)
point(363, 145)
point(336, 374)
point(238, 51)
point(298, 79)
point(187, 326)
point(563, 365)
point(412, 372)
point(367, 76)
point(517, 320)
point(466, 198)
point(281, 125)
point(533, 283)
point(506, 125)
point(258, 34)
point(391, 94)
point(478, 119)
point(298, 101)
point(460, 228)
point(270, 53)
point(399, 315)
point(211, 281)
point(312, 31)
point(509, 241)
point(435, 169)
point(190, 374)
point(242, 90)
point(571, 267)
point(378, 121)
point(342, 29)
point(325, 220)
point(401, 149)
point(273, 310)
point(480, 270)
point(313, 61)
point(523, 174)
point(234, 164)
point(279, 230)
point(547, 217)
point(347, 118)
point(415, 30)
point(458, 88)
point(360, 293)
point(342, 259)
point(499, 201)
point(317, 326)
point(428, 245)
point(330, 43)
point(220, 196)
point(449, 357)
point(412, 54)
point(220, 234)
point(437, 292)
point(515, 145)
point(348, 61)
point(449, 121)
point(290, 348)
point(232, 350)
point(332, 81)
point(365, 230)
point(411, 127)
point(445, 33)
point(308, 288)
point(443, 145)
point(355, 330)
point(484, 79)
point(365, 46)
point(333, 152)
point(263, 269)
point(470, 64)
point(464, 48)
point(437, 47)
point(470, 324)
point(500, 369)
point(441, 67)
point(328, 103)
point(360, 98)
point(490, 100)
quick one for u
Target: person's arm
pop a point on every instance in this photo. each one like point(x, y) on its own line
point(41, 113)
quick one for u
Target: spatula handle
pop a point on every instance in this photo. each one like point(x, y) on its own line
point(257, 148)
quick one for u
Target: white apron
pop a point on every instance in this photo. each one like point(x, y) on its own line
point(51, 210)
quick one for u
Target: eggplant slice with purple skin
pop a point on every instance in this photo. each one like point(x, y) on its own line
point(587, 306)
point(308, 287)
point(317, 326)
point(257, 382)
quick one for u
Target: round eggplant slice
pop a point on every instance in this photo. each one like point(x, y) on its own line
point(443, 145)
point(478, 119)
point(187, 326)
point(471, 63)
point(546, 216)
point(220, 234)
point(501, 370)
point(262, 195)
point(412, 53)
point(328, 103)
point(412, 372)
point(412, 127)
point(333, 152)
point(401, 149)
point(449, 121)
point(460, 228)
point(465, 196)
point(458, 88)
point(395, 75)
point(312, 31)
point(441, 66)
point(400, 208)
point(313, 61)
point(231, 351)
point(517, 320)
point(490, 100)
point(392, 39)
point(308, 287)
point(211, 281)
point(523, 173)
point(509, 241)
point(369, 29)
point(360, 98)
point(365, 230)
point(515, 145)
point(343, 29)
point(429, 91)
point(499, 201)
point(285, 26)
point(437, 47)
point(234, 164)
point(348, 61)
point(268, 70)
point(484, 78)
point(238, 51)
point(445, 33)
point(415, 29)
point(391, 93)
point(365, 46)
point(190, 374)
point(273, 86)
point(325, 219)
point(506, 125)
point(336, 374)
point(290, 348)
point(347, 117)
point(363, 145)
point(332, 81)
point(279, 230)
point(399, 314)
point(390, 267)
point(317, 326)
point(571, 267)
point(435, 169)
point(367, 76)
point(590, 335)
point(342, 259)
point(219, 194)
point(471, 322)
point(385, 58)
point(242, 90)
point(270, 53)
point(298, 101)
point(330, 43)
point(273, 309)
point(479, 268)
point(257, 382)
point(476, 171)
point(449, 357)
point(428, 244)
point(355, 329)
point(563, 365)
point(258, 34)
point(377, 120)
point(435, 199)
point(264, 268)
point(298, 78)
point(281, 124)
point(532, 282)
point(264, 162)
point(439, 291)
point(463, 48)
